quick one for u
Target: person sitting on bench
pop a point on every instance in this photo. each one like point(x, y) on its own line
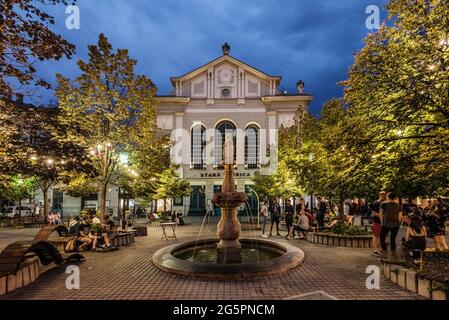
point(108, 231)
point(301, 225)
point(415, 235)
point(85, 235)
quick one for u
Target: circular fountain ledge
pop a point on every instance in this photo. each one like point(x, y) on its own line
point(289, 257)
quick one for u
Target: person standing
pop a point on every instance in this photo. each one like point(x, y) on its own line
point(390, 216)
point(300, 205)
point(264, 214)
point(321, 212)
point(289, 212)
point(275, 212)
point(377, 224)
point(436, 223)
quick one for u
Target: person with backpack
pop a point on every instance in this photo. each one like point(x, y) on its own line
point(74, 226)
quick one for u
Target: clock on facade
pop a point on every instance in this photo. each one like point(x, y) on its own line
point(225, 92)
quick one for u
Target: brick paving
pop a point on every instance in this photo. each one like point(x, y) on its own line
point(129, 274)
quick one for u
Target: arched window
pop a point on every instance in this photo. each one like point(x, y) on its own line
point(220, 132)
point(198, 144)
point(252, 147)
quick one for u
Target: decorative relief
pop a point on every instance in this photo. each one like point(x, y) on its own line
point(226, 76)
point(164, 122)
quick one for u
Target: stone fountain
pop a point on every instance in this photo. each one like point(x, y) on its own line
point(229, 256)
point(228, 228)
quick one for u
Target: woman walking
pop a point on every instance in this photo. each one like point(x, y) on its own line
point(264, 214)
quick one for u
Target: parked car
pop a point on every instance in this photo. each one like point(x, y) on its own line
point(13, 212)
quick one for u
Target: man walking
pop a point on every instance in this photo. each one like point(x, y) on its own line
point(390, 216)
point(275, 212)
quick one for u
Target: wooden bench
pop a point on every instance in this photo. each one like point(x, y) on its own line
point(46, 231)
point(19, 262)
point(16, 253)
point(33, 224)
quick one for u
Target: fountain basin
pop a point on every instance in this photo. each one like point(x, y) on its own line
point(259, 258)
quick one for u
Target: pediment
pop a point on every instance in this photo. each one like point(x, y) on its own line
point(230, 65)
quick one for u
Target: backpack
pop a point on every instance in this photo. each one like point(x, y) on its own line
point(70, 246)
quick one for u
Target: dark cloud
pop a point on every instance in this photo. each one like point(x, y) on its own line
point(309, 40)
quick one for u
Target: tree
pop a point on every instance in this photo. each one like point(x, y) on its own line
point(100, 106)
point(32, 151)
point(398, 87)
point(170, 186)
point(322, 159)
point(17, 188)
point(79, 184)
point(25, 38)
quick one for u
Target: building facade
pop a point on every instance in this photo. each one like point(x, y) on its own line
point(225, 96)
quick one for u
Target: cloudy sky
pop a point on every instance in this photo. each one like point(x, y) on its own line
point(298, 39)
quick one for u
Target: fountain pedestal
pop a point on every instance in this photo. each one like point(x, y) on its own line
point(228, 228)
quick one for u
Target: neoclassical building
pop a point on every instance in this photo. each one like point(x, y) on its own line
point(225, 96)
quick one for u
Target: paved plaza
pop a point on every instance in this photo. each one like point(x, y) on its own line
point(129, 274)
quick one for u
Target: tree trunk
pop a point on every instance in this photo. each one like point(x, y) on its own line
point(45, 193)
point(171, 205)
point(165, 205)
point(103, 192)
point(20, 208)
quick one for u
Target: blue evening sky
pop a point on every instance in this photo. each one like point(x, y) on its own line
point(298, 39)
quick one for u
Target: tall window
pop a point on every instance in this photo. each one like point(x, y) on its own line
point(220, 132)
point(252, 147)
point(198, 144)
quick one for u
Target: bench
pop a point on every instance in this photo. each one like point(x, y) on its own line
point(16, 253)
point(46, 231)
point(33, 224)
point(139, 230)
point(19, 262)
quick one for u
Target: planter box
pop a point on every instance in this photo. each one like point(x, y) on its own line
point(402, 277)
point(394, 273)
point(28, 273)
point(412, 281)
point(339, 240)
point(439, 295)
point(424, 287)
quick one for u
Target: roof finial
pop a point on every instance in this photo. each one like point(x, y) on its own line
point(300, 86)
point(226, 48)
